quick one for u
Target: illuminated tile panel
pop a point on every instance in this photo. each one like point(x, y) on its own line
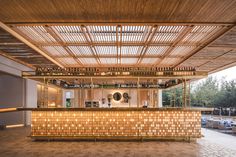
point(116, 123)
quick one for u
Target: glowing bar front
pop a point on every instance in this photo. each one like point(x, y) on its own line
point(116, 123)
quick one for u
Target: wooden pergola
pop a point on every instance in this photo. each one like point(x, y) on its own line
point(192, 33)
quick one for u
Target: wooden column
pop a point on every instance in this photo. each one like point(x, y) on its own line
point(129, 96)
point(159, 98)
point(138, 94)
point(184, 94)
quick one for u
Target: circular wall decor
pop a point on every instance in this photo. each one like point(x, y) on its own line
point(126, 95)
point(117, 96)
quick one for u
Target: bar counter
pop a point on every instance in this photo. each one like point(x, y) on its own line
point(116, 123)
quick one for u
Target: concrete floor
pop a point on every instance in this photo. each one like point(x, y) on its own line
point(14, 142)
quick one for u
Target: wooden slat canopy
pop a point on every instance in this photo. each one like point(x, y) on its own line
point(12, 11)
point(218, 55)
point(18, 51)
point(104, 33)
point(102, 45)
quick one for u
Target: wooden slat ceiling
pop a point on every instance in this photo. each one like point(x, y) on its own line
point(218, 54)
point(123, 32)
point(18, 51)
point(12, 11)
point(119, 45)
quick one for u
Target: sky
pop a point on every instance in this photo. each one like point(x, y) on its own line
point(229, 74)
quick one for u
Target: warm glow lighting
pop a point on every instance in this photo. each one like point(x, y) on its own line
point(53, 104)
point(15, 126)
point(7, 109)
point(117, 123)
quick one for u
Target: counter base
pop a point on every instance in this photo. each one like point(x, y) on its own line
point(138, 139)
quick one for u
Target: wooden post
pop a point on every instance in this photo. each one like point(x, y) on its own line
point(92, 91)
point(184, 93)
point(129, 96)
point(175, 98)
point(189, 96)
point(138, 93)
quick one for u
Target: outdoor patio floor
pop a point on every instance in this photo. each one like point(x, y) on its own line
point(15, 143)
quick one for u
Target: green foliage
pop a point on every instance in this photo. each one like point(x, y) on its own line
point(172, 97)
point(226, 97)
point(208, 93)
point(205, 93)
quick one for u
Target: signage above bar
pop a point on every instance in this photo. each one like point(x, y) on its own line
point(117, 71)
point(155, 85)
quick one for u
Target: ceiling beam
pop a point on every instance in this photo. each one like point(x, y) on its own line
point(116, 23)
point(116, 77)
point(228, 46)
point(211, 40)
point(117, 45)
point(18, 36)
point(114, 56)
point(223, 67)
point(178, 39)
point(212, 60)
point(147, 42)
point(2, 53)
point(11, 43)
point(89, 40)
point(60, 41)
point(118, 42)
point(110, 44)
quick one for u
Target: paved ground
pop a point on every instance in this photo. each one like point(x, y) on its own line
point(14, 142)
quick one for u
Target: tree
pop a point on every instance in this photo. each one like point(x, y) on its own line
point(204, 93)
point(208, 93)
point(172, 97)
point(227, 95)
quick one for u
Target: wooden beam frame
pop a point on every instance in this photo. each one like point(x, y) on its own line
point(135, 41)
point(16, 60)
point(223, 67)
point(209, 41)
point(179, 38)
point(108, 44)
point(15, 34)
point(147, 42)
point(116, 77)
point(59, 40)
point(215, 58)
point(117, 23)
point(89, 40)
point(119, 43)
point(115, 72)
point(115, 56)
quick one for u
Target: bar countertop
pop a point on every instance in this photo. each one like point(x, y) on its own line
point(113, 109)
